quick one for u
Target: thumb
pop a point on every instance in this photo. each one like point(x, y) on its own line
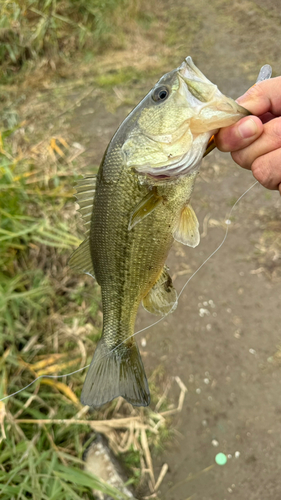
point(240, 135)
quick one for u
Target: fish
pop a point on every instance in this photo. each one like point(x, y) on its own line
point(136, 206)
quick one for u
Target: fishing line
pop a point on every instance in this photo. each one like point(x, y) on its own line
point(264, 74)
point(228, 222)
point(44, 376)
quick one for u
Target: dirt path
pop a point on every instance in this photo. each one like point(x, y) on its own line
point(224, 339)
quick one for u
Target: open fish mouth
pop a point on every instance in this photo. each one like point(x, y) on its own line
point(205, 95)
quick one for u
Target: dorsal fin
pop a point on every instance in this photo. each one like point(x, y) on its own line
point(162, 298)
point(81, 259)
point(187, 231)
point(85, 193)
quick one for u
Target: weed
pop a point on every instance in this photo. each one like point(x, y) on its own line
point(37, 331)
point(34, 28)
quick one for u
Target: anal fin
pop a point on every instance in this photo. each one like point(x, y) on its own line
point(187, 231)
point(162, 298)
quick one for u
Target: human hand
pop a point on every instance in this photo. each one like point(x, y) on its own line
point(255, 141)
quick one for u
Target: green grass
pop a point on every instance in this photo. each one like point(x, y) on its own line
point(119, 77)
point(30, 29)
point(46, 313)
point(49, 325)
point(41, 474)
point(49, 316)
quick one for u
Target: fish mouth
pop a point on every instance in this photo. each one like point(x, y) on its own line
point(199, 87)
point(203, 93)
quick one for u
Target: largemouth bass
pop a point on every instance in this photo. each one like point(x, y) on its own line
point(134, 209)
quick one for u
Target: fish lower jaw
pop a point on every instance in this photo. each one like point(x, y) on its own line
point(180, 166)
point(155, 177)
point(164, 175)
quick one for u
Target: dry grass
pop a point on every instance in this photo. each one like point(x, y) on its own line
point(47, 312)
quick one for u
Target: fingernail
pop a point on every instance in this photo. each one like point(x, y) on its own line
point(247, 128)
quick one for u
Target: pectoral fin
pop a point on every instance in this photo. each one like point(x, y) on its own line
point(187, 231)
point(162, 299)
point(144, 208)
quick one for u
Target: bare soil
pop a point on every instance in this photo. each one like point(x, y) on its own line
point(224, 340)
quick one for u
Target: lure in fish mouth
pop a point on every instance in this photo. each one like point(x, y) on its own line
point(134, 209)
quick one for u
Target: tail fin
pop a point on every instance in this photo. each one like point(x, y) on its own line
point(116, 373)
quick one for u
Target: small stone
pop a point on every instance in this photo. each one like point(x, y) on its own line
point(198, 391)
point(203, 312)
point(99, 461)
point(215, 442)
point(206, 381)
point(252, 351)
point(237, 454)
point(77, 145)
point(237, 334)
point(143, 342)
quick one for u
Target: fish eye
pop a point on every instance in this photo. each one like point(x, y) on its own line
point(160, 94)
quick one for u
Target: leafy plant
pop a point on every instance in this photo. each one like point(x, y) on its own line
point(32, 28)
point(40, 462)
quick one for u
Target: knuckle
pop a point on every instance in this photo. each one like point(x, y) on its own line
point(275, 130)
point(255, 92)
point(261, 172)
point(239, 158)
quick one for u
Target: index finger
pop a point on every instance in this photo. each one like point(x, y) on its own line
point(263, 98)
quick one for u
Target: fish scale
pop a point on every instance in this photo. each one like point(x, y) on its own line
point(140, 206)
